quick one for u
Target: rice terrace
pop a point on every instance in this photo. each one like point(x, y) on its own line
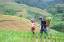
point(16, 24)
point(15, 29)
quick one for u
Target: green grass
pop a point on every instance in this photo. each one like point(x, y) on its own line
point(6, 7)
point(13, 36)
point(19, 36)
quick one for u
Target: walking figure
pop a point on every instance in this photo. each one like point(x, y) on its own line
point(43, 25)
point(33, 25)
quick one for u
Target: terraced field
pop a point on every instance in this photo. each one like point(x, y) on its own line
point(16, 29)
point(15, 23)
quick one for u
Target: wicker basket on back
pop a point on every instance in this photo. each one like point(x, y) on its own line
point(47, 23)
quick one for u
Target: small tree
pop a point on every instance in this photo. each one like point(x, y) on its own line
point(59, 9)
point(58, 27)
point(10, 12)
point(20, 16)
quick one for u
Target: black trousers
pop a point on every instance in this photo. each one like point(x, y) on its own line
point(33, 32)
point(42, 30)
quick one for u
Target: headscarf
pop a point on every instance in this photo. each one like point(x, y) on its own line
point(40, 17)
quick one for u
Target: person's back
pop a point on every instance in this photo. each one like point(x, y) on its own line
point(43, 23)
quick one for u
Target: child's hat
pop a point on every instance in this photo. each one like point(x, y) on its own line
point(32, 20)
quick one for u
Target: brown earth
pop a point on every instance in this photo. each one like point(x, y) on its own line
point(23, 13)
point(14, 23)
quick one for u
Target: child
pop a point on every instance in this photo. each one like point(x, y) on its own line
point(33, 25)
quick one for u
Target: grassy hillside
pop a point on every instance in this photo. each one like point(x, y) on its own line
point(42, 4)
point(22, 10)
point(15, 26)
point(16, 29)
point(6, 1)
point(58, 17)
point(20, 7)
point(57, 12)
point(61, 5)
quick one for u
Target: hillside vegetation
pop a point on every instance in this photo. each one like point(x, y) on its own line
point(58, 17)
point(13, 8)
point(22, 10)
point(42, 4)
point(1, 1)
point(57, 11)
point(15, 24)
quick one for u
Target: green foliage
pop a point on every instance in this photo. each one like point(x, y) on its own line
point(39, 3)
point(58, 27)
point(34, 15)
point(55, 10)
point(20, 16)
point(18, 1)
point(10, 12)
point(26, 36)
point(52, 10)
point(2, 5)
point(57, 13)
point(9, 9)
point(49, 18)
point(60, 9)
point(12, 9)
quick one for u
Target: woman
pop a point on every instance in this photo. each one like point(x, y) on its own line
point(43, 25)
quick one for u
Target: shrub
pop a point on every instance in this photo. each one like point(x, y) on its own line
point(58, 27)
point(20, 16)
point(10, 12)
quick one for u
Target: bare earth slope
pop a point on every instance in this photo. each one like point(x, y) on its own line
point(15, 23)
